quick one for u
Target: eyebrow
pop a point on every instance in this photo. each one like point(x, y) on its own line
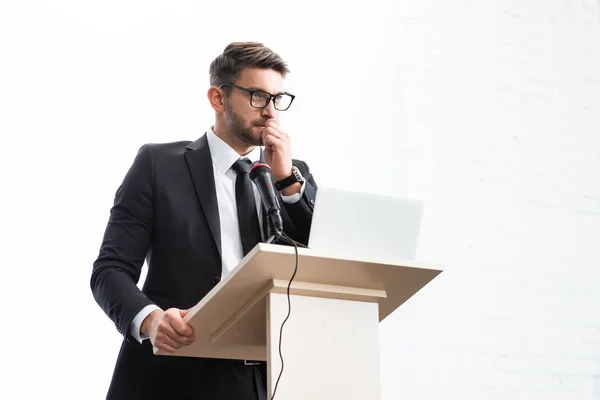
point(263, 90)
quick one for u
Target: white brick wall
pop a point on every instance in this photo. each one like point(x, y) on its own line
point(500, 133)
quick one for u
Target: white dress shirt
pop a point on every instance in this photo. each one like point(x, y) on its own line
point(223, 158)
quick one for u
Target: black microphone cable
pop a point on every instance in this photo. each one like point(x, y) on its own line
point(288, 240)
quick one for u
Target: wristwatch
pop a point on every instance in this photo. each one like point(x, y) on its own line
point(296, 176)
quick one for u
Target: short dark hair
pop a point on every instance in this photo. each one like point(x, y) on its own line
point(226, 68)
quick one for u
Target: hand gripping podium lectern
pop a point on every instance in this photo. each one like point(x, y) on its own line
point(330, 343)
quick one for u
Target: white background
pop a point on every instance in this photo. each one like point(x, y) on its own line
point(487, 111)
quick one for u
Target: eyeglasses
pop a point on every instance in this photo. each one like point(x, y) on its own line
point(261, 99)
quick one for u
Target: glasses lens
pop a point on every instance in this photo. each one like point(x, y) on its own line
point(259, 99)
point(283, 101)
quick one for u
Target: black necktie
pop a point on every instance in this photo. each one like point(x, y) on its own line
point(246, 206)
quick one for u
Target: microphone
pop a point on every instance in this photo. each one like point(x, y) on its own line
point(260, 173)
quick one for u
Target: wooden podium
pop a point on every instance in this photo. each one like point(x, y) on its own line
point(330, 343)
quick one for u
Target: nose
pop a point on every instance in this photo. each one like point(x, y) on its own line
point(269, 112)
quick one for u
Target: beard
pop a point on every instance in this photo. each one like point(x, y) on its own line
point(237, 127)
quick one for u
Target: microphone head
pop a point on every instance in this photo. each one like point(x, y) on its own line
point(258, 168)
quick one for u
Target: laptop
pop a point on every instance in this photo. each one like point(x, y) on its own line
point(364, 226)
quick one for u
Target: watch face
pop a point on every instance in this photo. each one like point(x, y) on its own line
point(297, 173)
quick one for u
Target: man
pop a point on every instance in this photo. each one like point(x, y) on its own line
point(190, 210)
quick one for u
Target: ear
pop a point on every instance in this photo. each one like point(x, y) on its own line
point(216, 98)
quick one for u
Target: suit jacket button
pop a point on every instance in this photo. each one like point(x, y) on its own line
point(216, 279)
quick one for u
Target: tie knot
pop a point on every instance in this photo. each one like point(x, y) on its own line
point(241, 166)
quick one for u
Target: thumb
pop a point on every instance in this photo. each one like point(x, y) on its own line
point(180, 326)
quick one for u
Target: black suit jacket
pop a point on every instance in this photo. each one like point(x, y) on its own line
point(165, 212)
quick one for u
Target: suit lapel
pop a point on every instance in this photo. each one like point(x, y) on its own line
point(201, 168)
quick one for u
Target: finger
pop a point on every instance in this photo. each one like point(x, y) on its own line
point(274, 142)
point(189, 340)
point(175, 337)
point(178, 324)
point(192, 338)
point(164, 347)
point(164, 339)
point(269, 134)
point(175, 340)
point(180, 327)
point(273, 124)
point(275, 131)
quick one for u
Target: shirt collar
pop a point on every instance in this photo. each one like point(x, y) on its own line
point(223, 156)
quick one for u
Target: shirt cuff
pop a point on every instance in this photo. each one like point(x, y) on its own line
point(136, 324)
point(294, 197)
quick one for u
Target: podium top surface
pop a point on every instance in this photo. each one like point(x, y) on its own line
point(249, 282)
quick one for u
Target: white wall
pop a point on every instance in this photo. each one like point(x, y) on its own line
point(502, 133)
point(488, 111)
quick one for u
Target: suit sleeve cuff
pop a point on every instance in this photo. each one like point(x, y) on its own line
point(295, 197)
point(136, 324)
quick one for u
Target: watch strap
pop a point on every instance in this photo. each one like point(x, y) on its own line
point(296, 176)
